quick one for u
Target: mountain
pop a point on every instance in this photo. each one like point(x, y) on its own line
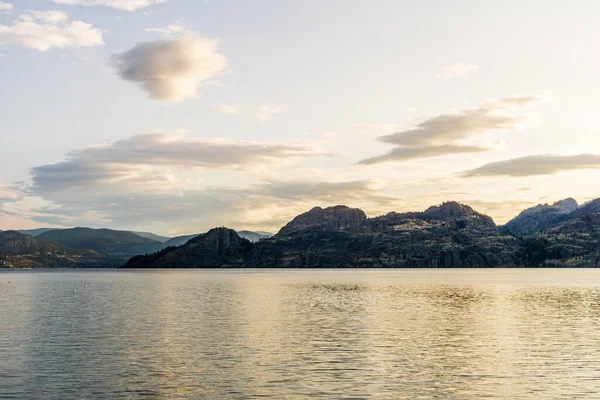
point(115, 245)
point(254, 236)
point(265, 234)
point(36, 232)
point(449, 235)
point(153, 236)
point(572, 241)
point(329, 219)
point(251, 236)
point(540, 217)
point(179, 240)
point(219, 247)
point(18, 250)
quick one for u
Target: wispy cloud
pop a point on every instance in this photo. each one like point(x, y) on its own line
point(449, 134)
point(44, 30)
point(133, 159)
point(177, 28)
point(545, 164)
point(6, 8)
point(264, 113)
point(456, 70)
point(127, 5)
point(227, 109)
point(9, 193)
point(171, 70)
point(266, 205)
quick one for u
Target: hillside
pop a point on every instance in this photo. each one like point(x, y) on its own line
point(153, 236)
point(219, 247)
point(251, 236)
point(572, 241)
point(116, 245)
point(540, 217)
point(36, 232)
point(23, 251)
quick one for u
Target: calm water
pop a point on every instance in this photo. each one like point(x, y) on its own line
point(418, 334)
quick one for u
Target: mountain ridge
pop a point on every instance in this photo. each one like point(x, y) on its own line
point(448, 235)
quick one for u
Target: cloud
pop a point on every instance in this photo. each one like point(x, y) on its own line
point(127, 5)
point(227, 109)
point(449, 134)
point(44, 30)
point(132, 160)
point(537, 165)
point(6, 7)
point(164, 181)
point(172, 29)
point(9, 193)
point(456, 70)
point(171, 70)
point(265, 205)
point(414, 153)
point(264, 113)
point(328, 192)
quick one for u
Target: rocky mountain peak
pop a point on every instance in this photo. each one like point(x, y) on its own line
point(541, 217)
point(448, 210)
point(326, 219)
point(567, 205)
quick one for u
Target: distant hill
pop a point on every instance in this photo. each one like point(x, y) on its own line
point(179, 240)
point(18, 250)
point(254, 236)
point(39, 231)
point(149, 235)
point(36, 232)
point(116, 245)
point(265, 234)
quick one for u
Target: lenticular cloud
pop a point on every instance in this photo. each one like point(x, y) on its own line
point(171, 70)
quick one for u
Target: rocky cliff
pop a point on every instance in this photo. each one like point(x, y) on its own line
point(338, 218)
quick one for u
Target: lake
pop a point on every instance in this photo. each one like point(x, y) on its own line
point(355, 334)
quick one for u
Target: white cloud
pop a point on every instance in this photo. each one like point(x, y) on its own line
point(264, 113)
point(227, 109)
point(6, 7)
point(171, 70)
point(44, 30)
point(51, 17)
point(127, 5)
point(171, 29)
point(456, 70)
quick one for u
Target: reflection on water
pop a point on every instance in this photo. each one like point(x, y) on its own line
point(465, 334)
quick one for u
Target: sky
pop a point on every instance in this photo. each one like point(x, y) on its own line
point(178, 116)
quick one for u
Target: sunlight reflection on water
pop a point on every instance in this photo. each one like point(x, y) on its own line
point(394, 334)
